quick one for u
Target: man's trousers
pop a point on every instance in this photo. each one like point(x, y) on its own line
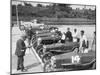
point(20, 62)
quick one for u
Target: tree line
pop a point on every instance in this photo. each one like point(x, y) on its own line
point(52, 11)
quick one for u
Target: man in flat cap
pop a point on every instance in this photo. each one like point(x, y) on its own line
point(20, 52)
point(68, 35)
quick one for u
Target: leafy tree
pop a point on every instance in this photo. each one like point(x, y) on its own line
point(39, 5)
point(28, 4)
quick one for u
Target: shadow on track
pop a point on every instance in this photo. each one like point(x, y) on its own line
point(32, 65)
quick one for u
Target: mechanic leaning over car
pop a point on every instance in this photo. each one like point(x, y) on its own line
point(20, 52)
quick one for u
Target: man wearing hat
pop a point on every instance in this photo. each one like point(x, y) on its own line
point(20, 52)
point(68, 35)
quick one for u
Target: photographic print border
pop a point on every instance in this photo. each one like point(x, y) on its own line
point(11, 34)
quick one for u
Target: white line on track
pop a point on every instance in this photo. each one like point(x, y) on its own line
point(33, 50)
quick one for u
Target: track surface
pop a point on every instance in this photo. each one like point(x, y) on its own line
point(31, 60)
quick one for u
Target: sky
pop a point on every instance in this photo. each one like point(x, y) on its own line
point(33, 3)
point(73, 6)
point(82, 6)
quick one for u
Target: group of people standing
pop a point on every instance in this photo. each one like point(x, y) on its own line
point(82, 39)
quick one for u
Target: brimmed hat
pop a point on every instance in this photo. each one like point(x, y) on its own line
point(82, 31)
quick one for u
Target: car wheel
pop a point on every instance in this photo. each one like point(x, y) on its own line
point(46, 57)
point(47, 67)
point(40, 52)
point(38, 48)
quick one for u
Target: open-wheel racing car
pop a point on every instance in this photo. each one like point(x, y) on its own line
point(45, 39)
point(46, 29)
point(37, 29)
point(55, 49)
point(71, 61)
point(38, 43)
point(43, 29)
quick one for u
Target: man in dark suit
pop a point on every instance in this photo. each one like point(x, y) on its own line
point(20, 52)
point(68, 35)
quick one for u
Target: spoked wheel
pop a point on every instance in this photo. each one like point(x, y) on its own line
point(46, 57)
point(40, 52)
point(47, 67)
point(38, 48)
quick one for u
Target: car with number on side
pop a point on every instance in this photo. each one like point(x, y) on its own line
point(39, 40)
point(58, 48)
point(71, 61)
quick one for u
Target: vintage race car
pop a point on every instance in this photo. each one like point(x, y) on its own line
point(47, 34)
point(36, 29)
point(50, 39)
point(46, 29)
point(56, 49)
point(71, 61)
point(42, 32)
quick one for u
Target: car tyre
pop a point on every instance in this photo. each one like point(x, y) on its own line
point(47, 67)
point(46, 57)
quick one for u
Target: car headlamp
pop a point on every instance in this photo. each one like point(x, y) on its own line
point(39, 39)
point(44, 47)
point(52, 35)
point(42, 27)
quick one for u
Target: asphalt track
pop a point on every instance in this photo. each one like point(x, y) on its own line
point(31, 60)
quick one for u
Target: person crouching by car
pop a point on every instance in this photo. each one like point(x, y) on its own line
point(68, 36)
point(20, 52)
point(83, 42)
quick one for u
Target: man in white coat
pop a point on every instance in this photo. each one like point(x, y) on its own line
point(83, 42)
point(75, 35)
